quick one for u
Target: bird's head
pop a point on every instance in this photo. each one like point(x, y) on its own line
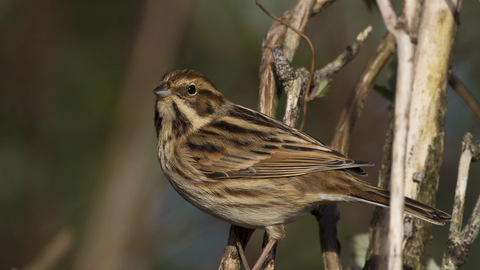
point(186, 97)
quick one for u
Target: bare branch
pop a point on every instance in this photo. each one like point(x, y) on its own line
point(426, 119)
point(388, 15)
point(402, 103)
point(459, 242)
point(269, 262)
point(377, 256)
point(468, 151)
point(352, 109)
point(465, 94)
point(322, 78)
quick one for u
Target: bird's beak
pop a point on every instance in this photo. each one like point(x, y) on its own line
point(162, 91)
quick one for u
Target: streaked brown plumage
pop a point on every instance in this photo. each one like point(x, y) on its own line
point(248, 169)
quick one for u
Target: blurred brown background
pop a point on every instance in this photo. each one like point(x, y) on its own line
point(80, 186)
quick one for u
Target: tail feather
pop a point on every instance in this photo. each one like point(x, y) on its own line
point(381, 197)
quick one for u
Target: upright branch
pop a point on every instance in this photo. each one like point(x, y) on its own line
point(399, 28)
point(459, 241)
point(436, 35)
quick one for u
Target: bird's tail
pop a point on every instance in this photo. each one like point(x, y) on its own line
point(381, 197)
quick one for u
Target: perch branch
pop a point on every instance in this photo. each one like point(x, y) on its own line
point(459, 242)
point(232, 258)
point(277, 35)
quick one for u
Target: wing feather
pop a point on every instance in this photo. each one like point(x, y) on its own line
point(247, 144)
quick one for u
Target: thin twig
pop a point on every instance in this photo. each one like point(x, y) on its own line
point(354, 106)
point(322, 78)
point(466, 95)
point(326, 73)
point(459, 242)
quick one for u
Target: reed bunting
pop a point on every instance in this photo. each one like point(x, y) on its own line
point(251, 170)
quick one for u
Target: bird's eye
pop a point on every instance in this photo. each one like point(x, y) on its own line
point(192, 90)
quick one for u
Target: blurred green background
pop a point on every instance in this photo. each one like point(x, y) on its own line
point(80, 185)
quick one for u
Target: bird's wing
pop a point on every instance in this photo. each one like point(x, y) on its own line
point(247, 144)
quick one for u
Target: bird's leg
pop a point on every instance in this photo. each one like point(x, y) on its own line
point(264, 254)
point(240, 250)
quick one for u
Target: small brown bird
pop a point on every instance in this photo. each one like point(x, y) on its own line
point(251, 170)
